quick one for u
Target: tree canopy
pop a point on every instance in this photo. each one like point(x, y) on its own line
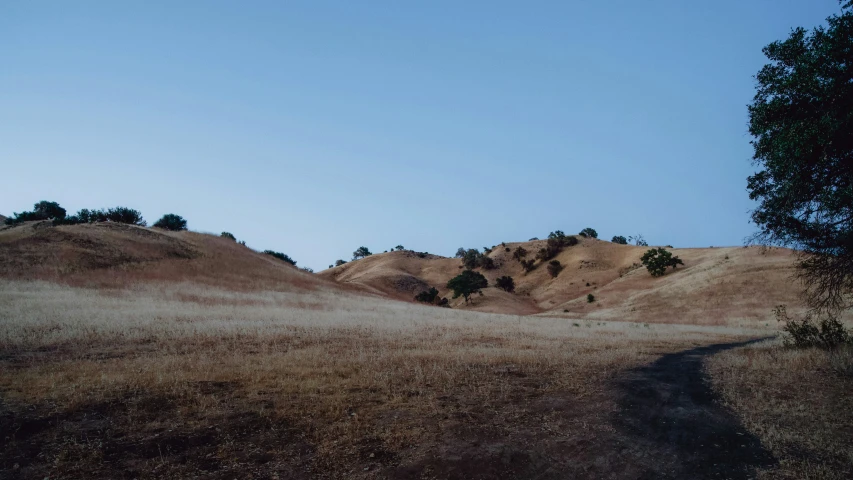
point(801, 120)
point(467, 283)
point(361, 252)
point(658, 259)
point(170, 221)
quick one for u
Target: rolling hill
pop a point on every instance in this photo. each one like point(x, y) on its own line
point(715, 285)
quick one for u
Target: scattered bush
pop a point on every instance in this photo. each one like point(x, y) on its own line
point(505, 283)
point(528, 265)
point(399, 248)
point(590, 298)
point(487, 250)
point(467, 283)
point(339, 262)
point(554, 268)
point(657, 260)
point(443, 302)
point(170, 221)
point(519, 253)
point(427, 296)
point(507, 249)
point(281, 256)
point(620, 240)
point(306, 269)
point(242, 242)
point(487, 263)
point(638, 240)
point(361, 252)
point(588, 233)
point(42, 210)
point(533, 239)
point(827, 334)
point(460, 253)
point(229, 236)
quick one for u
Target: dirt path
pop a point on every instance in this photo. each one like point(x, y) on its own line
point(678, 430)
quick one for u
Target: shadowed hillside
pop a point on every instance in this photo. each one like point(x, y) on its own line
point(715, 285)
point(114, 254)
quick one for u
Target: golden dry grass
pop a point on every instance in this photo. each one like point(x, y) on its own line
point(716, 286)
point(798, 402)
point(348, 382)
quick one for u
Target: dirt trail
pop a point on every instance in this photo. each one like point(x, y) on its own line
point(678, 430)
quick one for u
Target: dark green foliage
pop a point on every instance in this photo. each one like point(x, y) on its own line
point(487, 250)
point(590, 298)
point(519, 253)
point(505, 283)
point(339, 262)
point(533, 239)
point(228, 236)
point(657, 260)
point(507, 249)
point(117, 215)
point(281, 256)
point(554, 268)
point(170, 221)
point(242, 242)
point(828, 333)
point(443, 302)
point(361, 252)
point(427, 296)
point(472, 259)
point(330, 266)
point(620, 240)
point(467, 283)
point(460, 253)
point(307, 269)
point(588, 233)
point(528, 265)
point(125, 215)
point(399, 248)
point(802, 127)
point(42, 210)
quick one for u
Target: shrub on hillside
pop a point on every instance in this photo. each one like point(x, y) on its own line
point(554, 268)
point(657, 260)
point(467, 283)
point(638, 240)
point(281, 256)
point(399, 248)
point(590, 298)
point(339, 262)
point(229, 236)
point(460, 253)
point(486, 263)
point(307, 269)
point(361, 252)
point(42, 210)
point(533, 239)
point(505, 283)
point(588, 233)
point(828, 333)
point(519, 253)
point(528, 265)
point(427, 296)
point(125, 215)
point(620, 240)
point(170, 221)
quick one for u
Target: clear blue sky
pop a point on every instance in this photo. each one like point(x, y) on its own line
point(315, 127)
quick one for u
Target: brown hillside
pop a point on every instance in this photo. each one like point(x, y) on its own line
point(112, 254)
point(716, 285)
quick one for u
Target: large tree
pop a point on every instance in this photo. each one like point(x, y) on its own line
point(467, 283)
point(802, 122)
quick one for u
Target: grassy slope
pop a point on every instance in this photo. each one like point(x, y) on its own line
point(714, 286)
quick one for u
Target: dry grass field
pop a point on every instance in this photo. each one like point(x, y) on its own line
point(798, 402)
point(128, 352)
point(168, 380)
